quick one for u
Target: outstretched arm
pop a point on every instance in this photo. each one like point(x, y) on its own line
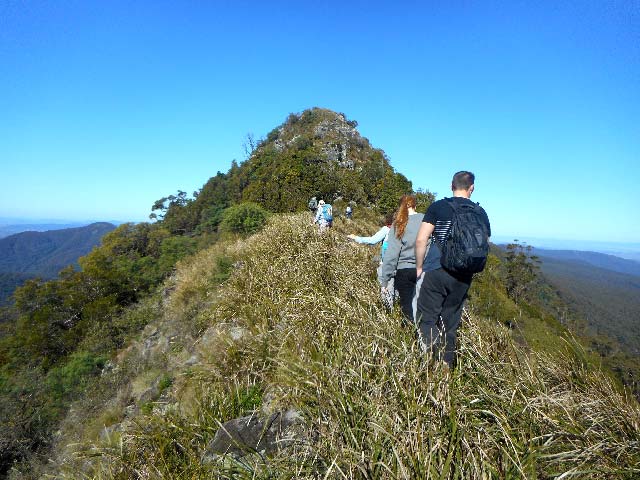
point(373, 239)
point(422, 240)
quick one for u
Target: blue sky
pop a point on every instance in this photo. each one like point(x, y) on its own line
point(108, 106)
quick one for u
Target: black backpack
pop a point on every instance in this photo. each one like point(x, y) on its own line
point(466, 248)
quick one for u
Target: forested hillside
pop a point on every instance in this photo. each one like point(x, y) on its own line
point(228, 305)
point(8, 283)
point(599, 306)
point(44, 254)
point(594, 259)
point(607, 300)
point(11, 227)
point(316, 153)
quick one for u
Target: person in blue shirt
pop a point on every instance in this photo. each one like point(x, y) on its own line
point(324, 215)
point(381, 236)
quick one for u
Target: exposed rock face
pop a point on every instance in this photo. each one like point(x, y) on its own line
point(338, 135)
point(253, 434)
point(339, 126)
point(337, 152)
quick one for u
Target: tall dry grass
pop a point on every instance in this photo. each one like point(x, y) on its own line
point(319, 340)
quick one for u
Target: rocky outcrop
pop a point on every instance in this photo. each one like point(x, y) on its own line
point(252, 434)
point(338, 127)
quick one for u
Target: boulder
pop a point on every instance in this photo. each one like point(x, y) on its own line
point(252, 434)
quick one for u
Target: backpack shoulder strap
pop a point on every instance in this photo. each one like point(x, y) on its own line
point(452, 204)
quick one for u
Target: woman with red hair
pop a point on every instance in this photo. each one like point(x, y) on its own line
point(400, 257)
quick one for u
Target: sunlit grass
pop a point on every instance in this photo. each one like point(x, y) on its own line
point(315, 337)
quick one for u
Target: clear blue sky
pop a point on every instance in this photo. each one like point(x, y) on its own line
point(107, 106)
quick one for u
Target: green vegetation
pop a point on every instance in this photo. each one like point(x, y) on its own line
point(28, 255)
point(316, 153)
point(605, 305)
point(8, 284)
point(244, 218)
point(61, 331)
point(57, 328)
point(521, 270)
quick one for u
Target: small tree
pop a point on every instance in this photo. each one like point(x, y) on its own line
point(521, 270)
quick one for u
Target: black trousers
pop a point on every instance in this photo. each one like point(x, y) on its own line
point(405, 284)
point(439, 312)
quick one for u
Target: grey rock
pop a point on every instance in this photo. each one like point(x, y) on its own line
point(193, 360)
point(161, 408)
point(150, 394)
point(338, 127)
point(209, 335)
point(293, 139)
point(347, 164)
point(166, 293)
point(237, 333)
point(109, 367)
point(131, 410)
point(278, 145)
point(252, 434)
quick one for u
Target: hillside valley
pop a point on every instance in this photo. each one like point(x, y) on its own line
point(606, 298)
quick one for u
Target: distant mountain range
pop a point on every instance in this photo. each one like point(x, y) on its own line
point(43, 254)
point(12, 229)
point(11, 226)
point(628, 250)
point(595, 259)
point(604, 289)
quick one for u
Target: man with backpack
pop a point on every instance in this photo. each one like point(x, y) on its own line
point(324, 216)
point(460, 232)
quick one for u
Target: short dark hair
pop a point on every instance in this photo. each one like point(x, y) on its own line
point(463, 180)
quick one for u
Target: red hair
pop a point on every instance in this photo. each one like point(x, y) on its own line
point(402, 214)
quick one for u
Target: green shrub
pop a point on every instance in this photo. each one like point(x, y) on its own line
point(70, 379)
point(244, 218)
point(165, 382)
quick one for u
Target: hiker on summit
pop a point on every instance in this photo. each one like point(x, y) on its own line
point(313, 206)
point(348, 213)
point(461, 231)
point(399, 261)
point(324, 215)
